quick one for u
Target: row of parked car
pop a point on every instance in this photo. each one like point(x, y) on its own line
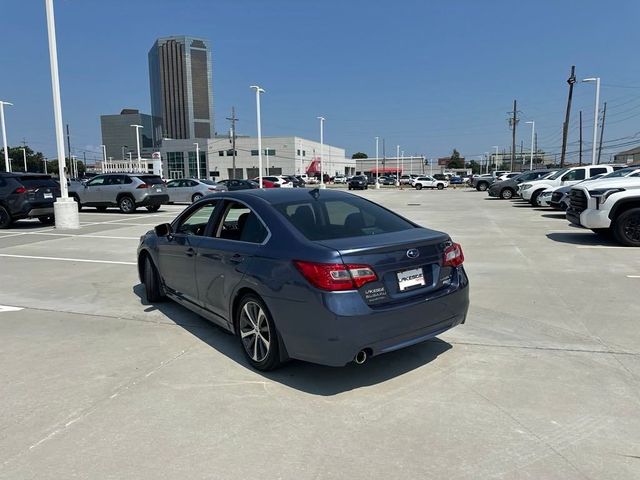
point(602, 198)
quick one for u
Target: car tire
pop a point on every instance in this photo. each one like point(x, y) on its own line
point(47, 219)
point(506, 194)
point(151, 282)
point(419, 186)
point(153, 208)
point(349, 187)
point(440, 186)
point(126, 204)
point(603, 232)
point(5, 218)
point(534, 198)
point(101, 209)
point(257, 333)
point(626, 228)
point(367, 187)
point(196, 197)
point(482, 187)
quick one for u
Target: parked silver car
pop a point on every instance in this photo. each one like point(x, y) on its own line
point(192, 189)
point(127, 191)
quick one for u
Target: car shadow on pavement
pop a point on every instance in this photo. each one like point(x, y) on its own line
point(27, 225)
point(583, 237)
point(303, 376)
point(558, 215)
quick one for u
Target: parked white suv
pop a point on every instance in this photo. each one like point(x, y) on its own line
point(568, 176)
point(608, 206)
point(429, 182)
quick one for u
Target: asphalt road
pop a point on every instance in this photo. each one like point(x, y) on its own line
point(541, 383)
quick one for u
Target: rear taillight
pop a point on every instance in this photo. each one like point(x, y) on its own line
point(20, 190)
point(453, 256)
point(143, 185)
point(336, 276)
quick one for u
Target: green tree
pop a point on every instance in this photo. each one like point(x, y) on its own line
point(359, 155)
point(454, 160)
point(35, 160)
point(474, 166)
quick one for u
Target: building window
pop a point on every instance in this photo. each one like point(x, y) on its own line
point(304, 154)
point(254, 153)
point(230, 152)
point(175, 164)
point(298, 152)
point(221, 153)
point(271, 152)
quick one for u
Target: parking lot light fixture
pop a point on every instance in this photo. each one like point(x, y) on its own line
point(377, 169)
point(533, 133)
point(495, 159)
point(595, 118)
point(322, 185)
point(138, 127)
point(7, 166)
point(198, 158)
point(259, 90)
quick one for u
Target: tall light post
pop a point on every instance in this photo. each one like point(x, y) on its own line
point(45, 165)
point(7, 166)
point(595, 118)
point(533, 133)
point(24, 156)
point(397, 165)
point(104, 158)
point(138, 127)
point(74, 167)
point(258, 92)
point(198, 158)
point(377, 170)
point(494, 158)
point(322, 185)
point(65, 208)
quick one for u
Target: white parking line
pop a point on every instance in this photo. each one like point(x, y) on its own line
point(88, 235)
point(633, 276)
point(601, 246)
point(6, 308)
point(12, 235)
point(61, 259)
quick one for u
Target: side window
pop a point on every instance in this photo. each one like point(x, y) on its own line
point(597, 171)
point(172, 184)
point(127, 180)
point(96, 181)
point(196, 222)
point(577, 174)
point(190, 183)
point(242, 224)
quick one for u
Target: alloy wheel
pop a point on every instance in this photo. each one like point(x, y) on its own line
point(631, 228)
point(254, 331)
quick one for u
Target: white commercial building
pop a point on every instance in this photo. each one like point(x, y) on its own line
point(280, 155)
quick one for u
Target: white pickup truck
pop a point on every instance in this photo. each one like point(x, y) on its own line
point(569, 176)
point(608, 206)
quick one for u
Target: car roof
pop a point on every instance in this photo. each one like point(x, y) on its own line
point(278, 195)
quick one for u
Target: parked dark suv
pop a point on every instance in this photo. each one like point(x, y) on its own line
point(27, 195)
point(359, 182)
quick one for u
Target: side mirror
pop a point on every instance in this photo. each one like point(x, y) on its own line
point(163, 230)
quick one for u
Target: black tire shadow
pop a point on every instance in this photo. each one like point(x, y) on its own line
point(558, 215)
point(307, 377)
point(583, 237)
point(26, 224)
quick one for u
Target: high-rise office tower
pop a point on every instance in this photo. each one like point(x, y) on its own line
point(180, 76)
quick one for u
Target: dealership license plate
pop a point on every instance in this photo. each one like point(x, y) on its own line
point(410, 278)
point(48, 195)
point(159, 190)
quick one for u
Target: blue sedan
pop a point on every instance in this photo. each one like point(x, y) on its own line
point(317, 275)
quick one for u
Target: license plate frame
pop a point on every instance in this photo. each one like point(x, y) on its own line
point(47, 195)
point(410, 279)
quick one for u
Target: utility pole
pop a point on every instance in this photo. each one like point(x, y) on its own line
point(535, 145)
point(514, 123)
point(84, 160)
point(580, 158)
point(69, 146)
point(565, 126)
point(604, 114)
point(233, 120)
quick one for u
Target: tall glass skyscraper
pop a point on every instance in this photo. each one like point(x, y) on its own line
point(180, 76)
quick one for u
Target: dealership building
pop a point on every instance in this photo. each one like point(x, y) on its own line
point(280, 155)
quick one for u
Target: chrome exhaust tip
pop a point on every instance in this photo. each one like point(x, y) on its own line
point(360, 357)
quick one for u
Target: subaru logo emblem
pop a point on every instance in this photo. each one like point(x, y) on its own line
point(413, 253)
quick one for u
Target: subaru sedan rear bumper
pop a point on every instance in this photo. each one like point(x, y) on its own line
point(334, 332)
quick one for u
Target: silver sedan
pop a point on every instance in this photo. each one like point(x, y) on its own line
point(191, 189)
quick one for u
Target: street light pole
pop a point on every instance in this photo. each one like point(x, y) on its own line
point(65, 208)
point(74, 167)
point(533, 133)
point(595, 118)
point(24, 155)
point(377, 170)
point(495, 159)
point(7, 166)
point(198, 158)
point(138, 127)
point(258, 92)
point(397, 165)
point(104, 158)
point(322, 185)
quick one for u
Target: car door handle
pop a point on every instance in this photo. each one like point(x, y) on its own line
point(189, 252)
point(236, 258)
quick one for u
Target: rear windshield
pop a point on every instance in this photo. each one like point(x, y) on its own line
point(327, 219)
point(150, 179)
point(38, 182)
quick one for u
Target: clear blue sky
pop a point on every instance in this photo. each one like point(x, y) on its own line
point(429, 76)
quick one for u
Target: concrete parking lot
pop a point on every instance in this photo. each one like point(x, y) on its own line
point(541, 383)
